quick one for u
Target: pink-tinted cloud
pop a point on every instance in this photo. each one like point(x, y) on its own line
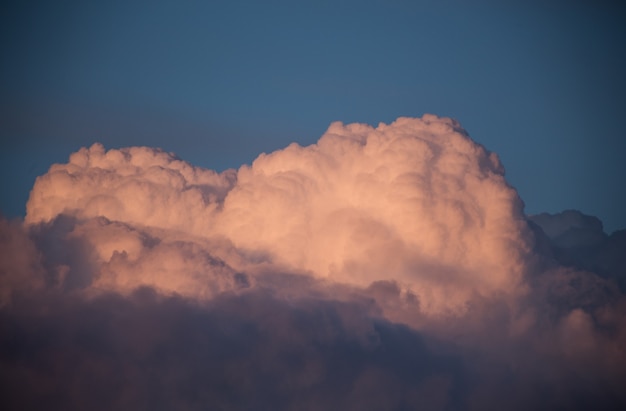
point(136, 185)
point(389, 267)
point(416, 201)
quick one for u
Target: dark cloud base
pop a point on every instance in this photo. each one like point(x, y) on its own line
point(259, 351)
point(239, 352)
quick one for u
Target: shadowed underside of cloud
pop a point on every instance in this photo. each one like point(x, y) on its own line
point(578, 240)
point(247, 352)
point(381, 268)
point(251, 351)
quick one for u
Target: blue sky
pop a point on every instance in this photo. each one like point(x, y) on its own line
point(540, 83)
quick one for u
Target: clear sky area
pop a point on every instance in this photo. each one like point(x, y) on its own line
point(541, 83)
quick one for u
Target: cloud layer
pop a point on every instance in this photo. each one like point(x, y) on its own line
point(384, 268)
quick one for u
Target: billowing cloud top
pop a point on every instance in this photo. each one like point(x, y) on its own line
point(138, 185)
point(416, 201)
point(389, 267)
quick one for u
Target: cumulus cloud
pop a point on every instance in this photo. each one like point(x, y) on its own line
point(138, 185)
point(411, 201)
point(387, 267)
point(416, 201)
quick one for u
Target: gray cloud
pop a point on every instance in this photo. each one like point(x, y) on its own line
point(578, 240)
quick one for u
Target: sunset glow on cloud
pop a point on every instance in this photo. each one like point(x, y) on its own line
point(388, 267)
point(416, 202)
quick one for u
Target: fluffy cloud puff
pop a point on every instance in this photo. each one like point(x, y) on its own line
point(137, 185)
point(416, 202)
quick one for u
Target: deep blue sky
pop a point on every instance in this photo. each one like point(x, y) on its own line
point(541, 83)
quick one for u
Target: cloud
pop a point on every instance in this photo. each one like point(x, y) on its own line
point(260, 350)
point(411, 201)
point(578, 240)
point(416, 201)
point(137, 185)
point(570, 228)
point(380, 268)
point(252, 351)
point(20, 262)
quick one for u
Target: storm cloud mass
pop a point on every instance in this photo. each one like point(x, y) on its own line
point(380, 268)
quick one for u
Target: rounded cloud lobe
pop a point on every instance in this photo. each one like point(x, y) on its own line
point(137, 185)
point(411, 201)
point(289, 280)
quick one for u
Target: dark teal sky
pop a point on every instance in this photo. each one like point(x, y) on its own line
point(218, 82)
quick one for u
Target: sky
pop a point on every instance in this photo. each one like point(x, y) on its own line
point(539, 83)
point(341, 205)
